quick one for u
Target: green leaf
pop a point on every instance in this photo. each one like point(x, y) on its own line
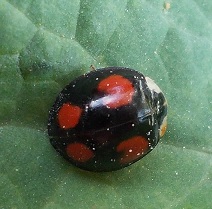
point(46, 44)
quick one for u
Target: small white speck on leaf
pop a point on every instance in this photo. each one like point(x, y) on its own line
point(166, 6)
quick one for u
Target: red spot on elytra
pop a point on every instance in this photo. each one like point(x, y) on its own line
point(79, 152)
point(69, 116)
point(119, 91)
point(132, 148)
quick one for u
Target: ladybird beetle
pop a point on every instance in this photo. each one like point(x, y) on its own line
point(107, 119)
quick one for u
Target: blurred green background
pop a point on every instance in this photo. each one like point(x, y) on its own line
point(45, 44)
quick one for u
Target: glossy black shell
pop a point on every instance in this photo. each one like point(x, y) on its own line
point(102, 129)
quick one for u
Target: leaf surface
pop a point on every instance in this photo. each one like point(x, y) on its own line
point(46, 44)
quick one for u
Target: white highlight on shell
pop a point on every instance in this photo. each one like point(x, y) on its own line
point(152, 85)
